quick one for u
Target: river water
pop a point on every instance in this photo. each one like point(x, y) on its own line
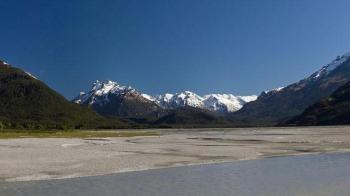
point(310, 175)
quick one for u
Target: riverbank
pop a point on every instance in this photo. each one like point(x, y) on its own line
point(55, 158)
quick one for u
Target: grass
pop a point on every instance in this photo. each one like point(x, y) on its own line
point(13, 134)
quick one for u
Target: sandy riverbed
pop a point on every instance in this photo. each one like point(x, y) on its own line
point(52, 158)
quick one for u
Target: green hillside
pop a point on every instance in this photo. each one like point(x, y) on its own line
point(186, 117)
point(26, 102)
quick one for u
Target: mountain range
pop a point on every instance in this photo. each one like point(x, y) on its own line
point(273, 107)
point(110, 98)
point(218, 103)
point(321, 98)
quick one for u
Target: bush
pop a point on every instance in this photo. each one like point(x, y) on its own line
point(2, 125)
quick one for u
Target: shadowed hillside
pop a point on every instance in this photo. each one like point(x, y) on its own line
point(26, 102)
point(281, 104)
point(334, 110)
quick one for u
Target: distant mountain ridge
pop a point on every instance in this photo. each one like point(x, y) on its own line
point(103, 93)
point(280, 104)
point(222, 103)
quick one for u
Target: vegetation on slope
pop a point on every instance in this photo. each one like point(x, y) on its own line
point(334, 110)
point(273, 107)
point(26, 102)
point(13, 134)
point(187, 117)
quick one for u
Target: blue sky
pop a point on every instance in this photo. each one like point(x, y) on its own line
point(223, 46)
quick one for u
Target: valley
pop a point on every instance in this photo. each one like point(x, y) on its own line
point(175, 98)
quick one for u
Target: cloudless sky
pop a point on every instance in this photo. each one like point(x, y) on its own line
point(206, 46)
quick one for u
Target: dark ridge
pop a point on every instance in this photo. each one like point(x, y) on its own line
point(274, 107)
point(26, 102)
point(334, 110)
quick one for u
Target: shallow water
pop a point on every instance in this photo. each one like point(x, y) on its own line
point(325, 174)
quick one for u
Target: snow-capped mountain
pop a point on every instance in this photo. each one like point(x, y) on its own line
point(281, 104)
point(182, 99)
point(108, 97)
point(111, 99)
point(248, 99)
point(163, 100)
point(221, 103)
point(100, 92)
point(226, 102)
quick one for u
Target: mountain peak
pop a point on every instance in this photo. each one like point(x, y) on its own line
point(102, 89)
point(226, 102)
point(109, 98)
point(221, 103)
point(282, 104)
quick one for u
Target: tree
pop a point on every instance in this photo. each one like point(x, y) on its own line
point(2, 126)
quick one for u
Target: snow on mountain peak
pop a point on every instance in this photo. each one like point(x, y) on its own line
point(100, 91)
point(148, 97)
point(102, 88)
point(325, 70)
point(168, 96)
point(226, 102)
point(165, 98)
point(248, 98)
point(274, 90)
point(187, 98)
point(212, 102)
